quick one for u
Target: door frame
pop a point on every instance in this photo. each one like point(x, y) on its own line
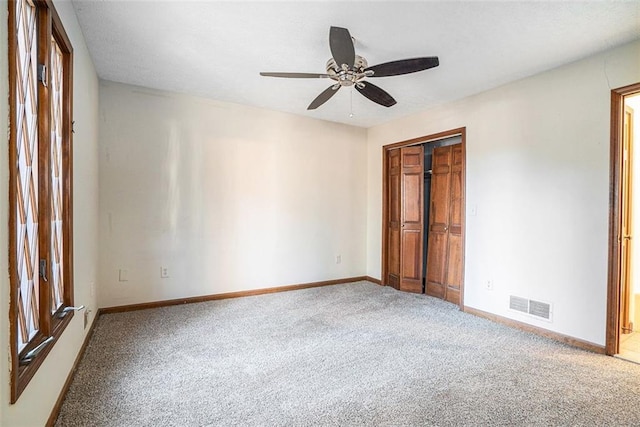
point(612, 341)
point(462, 132)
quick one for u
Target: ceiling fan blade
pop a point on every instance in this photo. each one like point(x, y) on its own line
point(375, 94)
point(323, 97)
point(403, 66)
point(341, 46)
point(296, 75)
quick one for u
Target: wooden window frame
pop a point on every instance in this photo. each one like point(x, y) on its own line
point(49, 27)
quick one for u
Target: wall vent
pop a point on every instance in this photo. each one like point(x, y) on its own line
point(519, 304)
point(541, 310)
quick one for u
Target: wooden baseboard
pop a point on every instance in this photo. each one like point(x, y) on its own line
point(239, 294)
point(575, 342)
point(65, 388)
point(373, 280)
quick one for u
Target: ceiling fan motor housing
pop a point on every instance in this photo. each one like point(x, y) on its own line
point(347, 76)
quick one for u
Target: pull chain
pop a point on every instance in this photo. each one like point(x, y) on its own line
point(351, 103)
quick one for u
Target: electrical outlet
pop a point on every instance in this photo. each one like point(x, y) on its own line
point(86, 318)
point(488, 285)
point(164, 272)
point(123, 275)
point(338, 259)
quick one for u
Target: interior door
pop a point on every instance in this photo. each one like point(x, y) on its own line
point(444, 257)
point(626, 324)
point(412, 222)
point(453, 280)
point(393, 215)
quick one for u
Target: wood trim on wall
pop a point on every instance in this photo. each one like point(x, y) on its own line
point(227, 295)
point(428, 138)
point(462, 132)
point(373, 280)
point(613, 273)
point(384, 270)
point(575, 342)
point(463, 214)
point(13, 278)
point(613, 286)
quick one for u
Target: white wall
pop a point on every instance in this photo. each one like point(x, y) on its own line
point(538, 172)
point(227, 197)
point(36, 402)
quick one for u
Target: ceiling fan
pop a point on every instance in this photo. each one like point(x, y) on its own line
point(348, 69)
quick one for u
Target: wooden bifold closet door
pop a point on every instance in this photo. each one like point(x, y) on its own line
point(405, 168)
point(444, 257)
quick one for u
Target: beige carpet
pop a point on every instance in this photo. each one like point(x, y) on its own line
point(354, 354)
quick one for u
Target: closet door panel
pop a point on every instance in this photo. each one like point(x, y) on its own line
point(412, 222)
point(394, 199)
point(454, 242)
point(439, 216)
point(412, 259)
point(436, 261)
point(454, 272)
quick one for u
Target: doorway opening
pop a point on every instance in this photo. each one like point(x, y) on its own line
point(623, 305)
point(423, 215)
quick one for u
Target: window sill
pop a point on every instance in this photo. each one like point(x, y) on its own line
point(27, 372)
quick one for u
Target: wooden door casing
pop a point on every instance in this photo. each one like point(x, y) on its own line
point(626, 225)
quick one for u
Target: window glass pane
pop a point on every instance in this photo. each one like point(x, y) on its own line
point(56, 193)
point(27, 176)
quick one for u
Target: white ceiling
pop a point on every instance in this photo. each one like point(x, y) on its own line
point(216, 49)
